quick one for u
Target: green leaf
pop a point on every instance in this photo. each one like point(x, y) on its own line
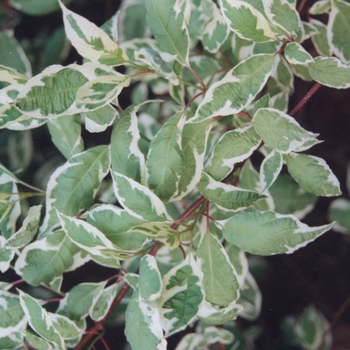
point(114, 222)
point(233, 147)
point(226, 196)
point(36, 7)
point(338, 24)
point(296, 54)
point(89, 238)
point(270, 169)
point(66, 327)
point(65, 133)
point(46, 258)
point(150, 281)
point(319, 7)
point(142, 325)
point(138, 200)
point(246, 21)
point(219, 276)
point(284, 76)
point(40, 320)
point(36, 342)
point(73, 186)
point(283, 17)
point(14, 58)
point(165, 159)
point(127, 159)
point(329, 71)
point(166, 21)
point(237, 89)
point(269, 233)
point(104, 302)
point(313, 174)
point(320, 39)
point(12, 318)
point(6, 255)
point(181, 296)
point(281, 132)
point(28, 230)
point(100, 119)
point(339, 211)
point(91, 41)
point(80, 301)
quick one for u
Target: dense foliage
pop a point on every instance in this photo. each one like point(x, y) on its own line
point(205, 167)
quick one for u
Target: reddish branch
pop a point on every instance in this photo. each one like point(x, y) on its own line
point(306, 99)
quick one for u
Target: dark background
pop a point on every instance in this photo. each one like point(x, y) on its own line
point(318, 274)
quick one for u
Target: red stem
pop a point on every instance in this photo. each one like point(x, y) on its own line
point(305, 99)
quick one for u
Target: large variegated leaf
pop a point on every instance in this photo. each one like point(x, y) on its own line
point(73, 186)
point(114, 222)
point(220, 281)
point(281, 132)
point(246, 21)
point(89, 238)
point(47, 258)
point(233, 147)
point(283, 17)
point(40, 320)
point(237, 89)
point(269, 233)
point(127, 159)
point(331, 72)
point(226, 196)
point(91, 41)
point(313, 174)
point(181, 296)
point(139, 200)
point(150, 280)
point(270, 169)
point(12, 318)
point(165, 160)
point(65, 133)
point(338, 24)
point(142, 325)
point(166, 21)
point(80, 301)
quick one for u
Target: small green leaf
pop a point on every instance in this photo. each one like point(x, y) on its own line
point(237, 89)
point(296, 54)
point(313, 174)
point(181, 296)
point(339, 211)
point(329, 71)
point(226, 196)
point(270, 169)
point(281, 132)
point(269, 233)
point(37, 342)
point(319, 7)
point(219, 276)
point(166, 21)
point(66, 327)
point(104, 302)
point(91, 41)
point(165, 160)
point(6, 255)
point(40, 320)
point(320, 39)
point(246, 21)
point(36, 8)
point(100, 119)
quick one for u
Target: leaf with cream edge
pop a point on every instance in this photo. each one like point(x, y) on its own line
point(165, 159)
point(330, 71)
point(269, 233)
point(220, 281)
point(237, 89)
point(150, 280)
point(6, 255)
point(313, 174)
point(281, 132)
point(65, 133)
point(338, 24)
point(43, 260)
point(100, 119)
point(283, 17)
point(182, 296)
point(227, 197)
point(270, 169)
point(91, 41)
point(13, 319)
point(142, 325)
point(296, 54)
point(73, 186)
point(12, 76)
point(40, 320)
point(166, 21)
point(127, 159)
point(104, 302)
point(233, 147)
point(246, 21)
point(139, 200)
